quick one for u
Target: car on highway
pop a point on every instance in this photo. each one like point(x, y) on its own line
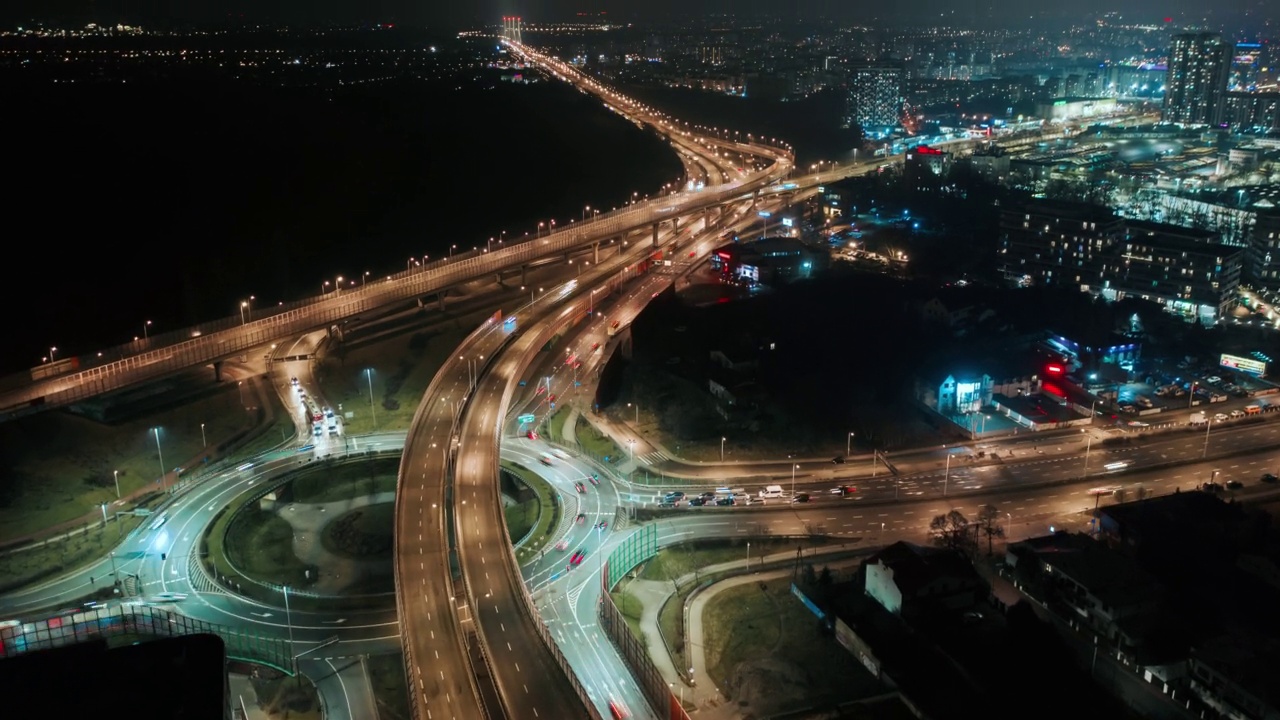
point(540, 389)
point(317, 430)
point(580, 487)
point(1237, 414)
point(577, 364)
point(560, 453)
point(551, 398)
point(673, 495)
point(582, 518)
point(577, 558)
point(532, 435)
point(618, 710)
point(1269, 478)
point(708, 495)
point(670, 504)
point(595, 479)
point(562, 545)
point(837, 460)
point(1221, 417)
point(698, 502)
point(800, 498)
point(1234, 484)
point(843, 490)
point(595, 346)
point(294, 380)
point(168, 597)
point(545, 459)
point(725, 501)
point(1213, 379)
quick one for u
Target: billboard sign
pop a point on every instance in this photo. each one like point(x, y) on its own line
point(1256, 368)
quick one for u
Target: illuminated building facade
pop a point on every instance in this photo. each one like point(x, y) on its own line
point(875, 97)
point(1197, 79)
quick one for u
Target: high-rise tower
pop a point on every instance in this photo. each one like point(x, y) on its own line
point(1197, 79)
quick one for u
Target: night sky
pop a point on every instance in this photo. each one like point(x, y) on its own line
point(470, 13)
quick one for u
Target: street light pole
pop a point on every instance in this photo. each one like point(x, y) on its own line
point(203, 442)
point(368, 373)
point(1207, 425)
point(115, 475)
point(722, 448)
point(161, 454)
point(1087, 447)
point(145, 327)
point(946, 475)
point(848, 444)
point(794, 467)
point(288, 619)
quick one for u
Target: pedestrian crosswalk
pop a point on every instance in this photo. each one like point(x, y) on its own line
point(652, 458)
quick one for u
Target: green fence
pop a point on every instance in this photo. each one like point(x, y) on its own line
point(639, 547)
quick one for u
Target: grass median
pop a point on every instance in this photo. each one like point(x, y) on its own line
point(596, 443)
point(540, 531)
point(631, 609)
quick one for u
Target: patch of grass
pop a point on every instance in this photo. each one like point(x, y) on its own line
point(521, 518)
point(346, 480)
point(260, 543)
point(548, 510)
point(390, 691)
point(555, 424)
point(25, 567)
point(285, 697)
point(364, 533)
point(746, 623)
point(740, 624)
point(631, 609)
point(596, 443)
point(279, 430)
point(59, 466)
point(402, 367)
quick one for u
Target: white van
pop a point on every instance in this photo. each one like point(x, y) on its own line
point(771, 491)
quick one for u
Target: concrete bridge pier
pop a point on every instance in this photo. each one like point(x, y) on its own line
point(524, 274)
point(217, 371)
point(595, 253)
point(655, 233)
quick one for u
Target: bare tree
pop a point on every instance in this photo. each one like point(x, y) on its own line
point(989, 524)
point(950, 530)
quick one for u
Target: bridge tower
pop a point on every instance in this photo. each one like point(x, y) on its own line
point(511, 28)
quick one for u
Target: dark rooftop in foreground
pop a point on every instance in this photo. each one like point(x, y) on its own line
point(183, 678)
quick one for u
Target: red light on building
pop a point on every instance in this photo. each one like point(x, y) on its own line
point(1053, 369)
point(926, 150)
point(723, 255)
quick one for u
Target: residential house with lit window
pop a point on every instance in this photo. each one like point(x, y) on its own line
point(1187, 271)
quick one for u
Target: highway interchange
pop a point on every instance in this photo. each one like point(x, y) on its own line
point(475, 625)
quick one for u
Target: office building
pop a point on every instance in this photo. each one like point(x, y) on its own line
point(1197, 79)
point(875, 97)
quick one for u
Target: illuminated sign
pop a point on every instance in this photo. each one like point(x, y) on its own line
point(723, 255)
point(788, 222)
point(1256, 368)
point(525, 419)
point(1054, 369)
point(749, 272)
point(765, 213)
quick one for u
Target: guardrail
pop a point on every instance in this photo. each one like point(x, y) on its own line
point(133, 362)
